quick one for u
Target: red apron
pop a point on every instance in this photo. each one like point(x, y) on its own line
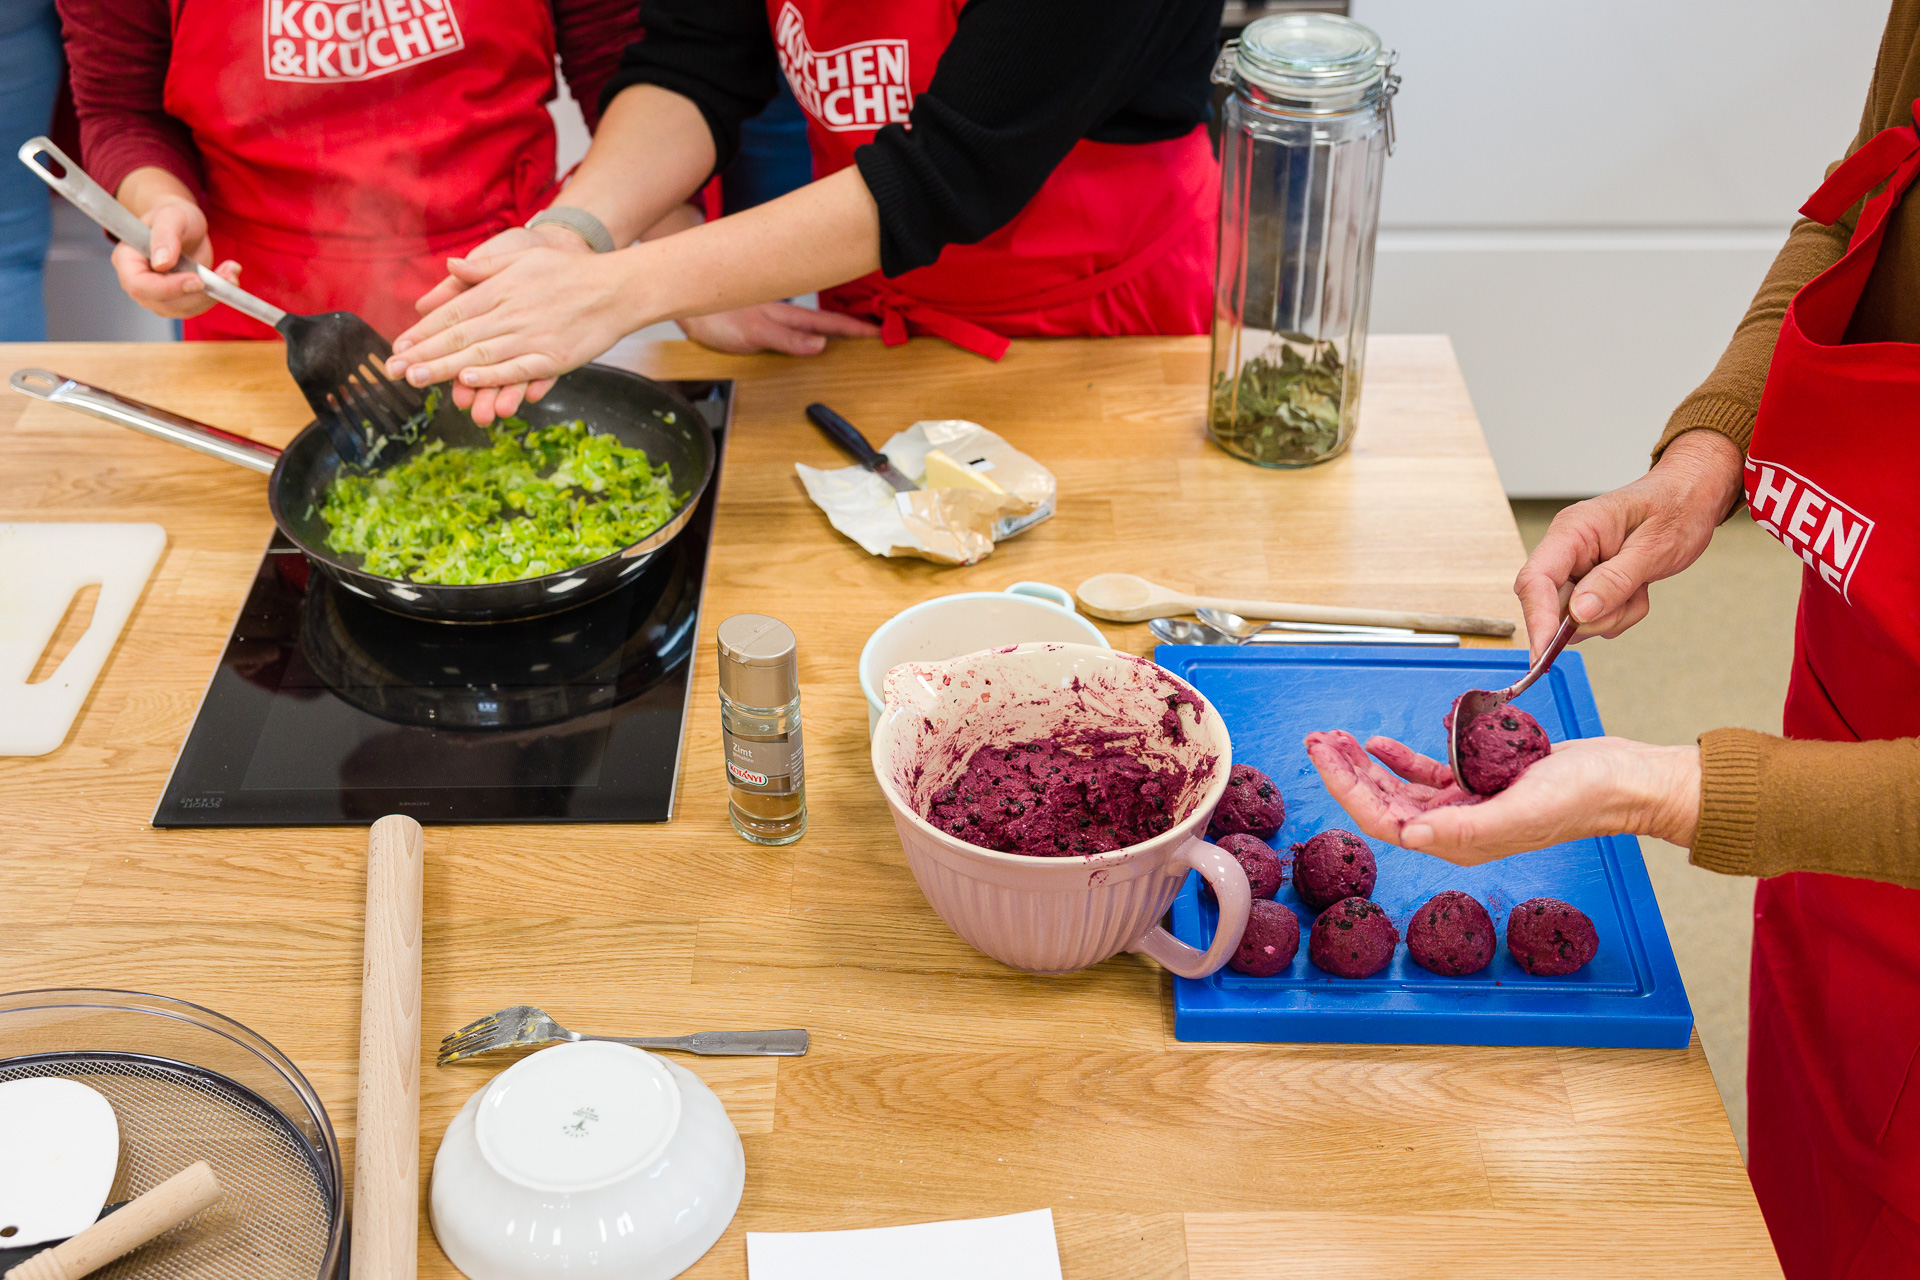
point(351, 146)
point(1118, 240)
point(1833, 1106)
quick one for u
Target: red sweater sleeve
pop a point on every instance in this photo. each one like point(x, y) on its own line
point(118, 51)
point(591, 35)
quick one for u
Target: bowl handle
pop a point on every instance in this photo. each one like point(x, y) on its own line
point(1236, 900)
point(1053, 595)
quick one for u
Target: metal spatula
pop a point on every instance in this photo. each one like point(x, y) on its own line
point(337, 358)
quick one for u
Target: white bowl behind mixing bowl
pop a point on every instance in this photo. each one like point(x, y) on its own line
point(589, 1158)
point(948, 626)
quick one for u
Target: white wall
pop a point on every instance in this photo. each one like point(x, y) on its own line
point(1585, 196)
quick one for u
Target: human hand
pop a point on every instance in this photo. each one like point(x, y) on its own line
point(523, 318)
point(1586, 787)
point(178, 233)
point(488, 403)
point(775, 326)
point(1605, 551)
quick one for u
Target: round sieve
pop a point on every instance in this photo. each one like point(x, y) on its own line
point(188, 1084)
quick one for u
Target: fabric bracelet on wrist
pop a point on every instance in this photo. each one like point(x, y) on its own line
point(578, 221)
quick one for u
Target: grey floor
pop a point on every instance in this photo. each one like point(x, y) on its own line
point(1713, 653)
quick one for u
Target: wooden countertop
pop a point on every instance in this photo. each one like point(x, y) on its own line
point(940, 1084)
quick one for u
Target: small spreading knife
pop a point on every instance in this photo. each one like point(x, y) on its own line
point(848, 437)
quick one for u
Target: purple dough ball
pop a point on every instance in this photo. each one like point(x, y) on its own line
point(1497, 748)
point(1262, 865)
point(1452, 935)
point(1252, 805)
point(1270, 943)
point(1333, 865)
point(1550, 938)
point(1353, 939)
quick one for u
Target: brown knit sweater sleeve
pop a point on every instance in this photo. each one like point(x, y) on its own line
point(1769, 805)
point(1730, 397)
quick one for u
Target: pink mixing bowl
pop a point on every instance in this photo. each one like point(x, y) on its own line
point(1055, 915)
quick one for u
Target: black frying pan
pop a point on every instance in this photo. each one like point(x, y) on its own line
point(638, 412)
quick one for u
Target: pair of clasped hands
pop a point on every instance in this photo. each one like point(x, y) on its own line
point(512, 315)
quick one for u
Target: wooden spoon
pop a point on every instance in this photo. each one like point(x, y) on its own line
point(1123, 597)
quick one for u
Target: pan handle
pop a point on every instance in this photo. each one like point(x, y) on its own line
point(92, 199)
point(225, 445)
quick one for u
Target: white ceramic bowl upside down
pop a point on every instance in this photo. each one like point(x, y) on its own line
point(589, 1158)
point(1055, 915)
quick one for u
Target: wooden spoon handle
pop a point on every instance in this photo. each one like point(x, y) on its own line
point(386, 1163)
point(1278, 611)
point(126, 1229)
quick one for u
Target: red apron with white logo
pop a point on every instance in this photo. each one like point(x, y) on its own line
point(1119, 239)
point(351, 146)
point(1832, 1101)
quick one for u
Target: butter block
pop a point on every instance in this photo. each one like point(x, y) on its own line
point(944, 473)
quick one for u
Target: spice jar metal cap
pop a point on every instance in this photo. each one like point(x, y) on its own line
point(759, 661)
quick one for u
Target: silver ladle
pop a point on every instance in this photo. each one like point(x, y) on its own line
point(1474, 703)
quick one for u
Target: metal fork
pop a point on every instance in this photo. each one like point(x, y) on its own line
point(525, 1025)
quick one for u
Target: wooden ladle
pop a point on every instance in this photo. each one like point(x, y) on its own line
point(1124, 597)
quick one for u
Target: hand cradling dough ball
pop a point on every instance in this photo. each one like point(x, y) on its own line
point(1498, 747)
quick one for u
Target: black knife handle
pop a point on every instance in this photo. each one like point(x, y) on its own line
point(847, 436)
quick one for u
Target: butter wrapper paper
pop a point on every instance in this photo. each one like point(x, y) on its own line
point(946, 526)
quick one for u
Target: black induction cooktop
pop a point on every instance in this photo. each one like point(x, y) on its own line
point(326, 709)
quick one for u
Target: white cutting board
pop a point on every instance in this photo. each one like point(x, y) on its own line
point(42, 568)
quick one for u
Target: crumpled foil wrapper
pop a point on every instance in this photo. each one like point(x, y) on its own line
point(946, 526)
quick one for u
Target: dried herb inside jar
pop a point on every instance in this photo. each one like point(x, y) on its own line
point(1281, 411)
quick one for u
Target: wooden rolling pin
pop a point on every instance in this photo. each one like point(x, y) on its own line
point(126, 1228)
point(1123, 597)
point(386, 1155)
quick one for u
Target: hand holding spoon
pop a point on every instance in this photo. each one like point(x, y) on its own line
point(1474, 703)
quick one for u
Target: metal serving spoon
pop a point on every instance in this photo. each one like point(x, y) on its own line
point(1186, 631)
point(1474, 703)
point(1234, 625)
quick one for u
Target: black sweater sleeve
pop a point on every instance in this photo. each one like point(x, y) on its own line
point(1019, 85)
point(717, 53)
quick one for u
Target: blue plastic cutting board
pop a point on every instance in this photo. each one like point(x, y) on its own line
point(1271, 697)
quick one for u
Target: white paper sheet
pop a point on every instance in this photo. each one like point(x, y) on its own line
point(1019, 1246)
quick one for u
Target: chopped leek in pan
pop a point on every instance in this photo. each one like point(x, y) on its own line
point(536, 501)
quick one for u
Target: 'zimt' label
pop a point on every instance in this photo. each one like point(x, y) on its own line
point(771, 766)
point(322, 41)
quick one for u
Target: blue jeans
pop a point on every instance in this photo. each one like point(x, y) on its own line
point(30, 66)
